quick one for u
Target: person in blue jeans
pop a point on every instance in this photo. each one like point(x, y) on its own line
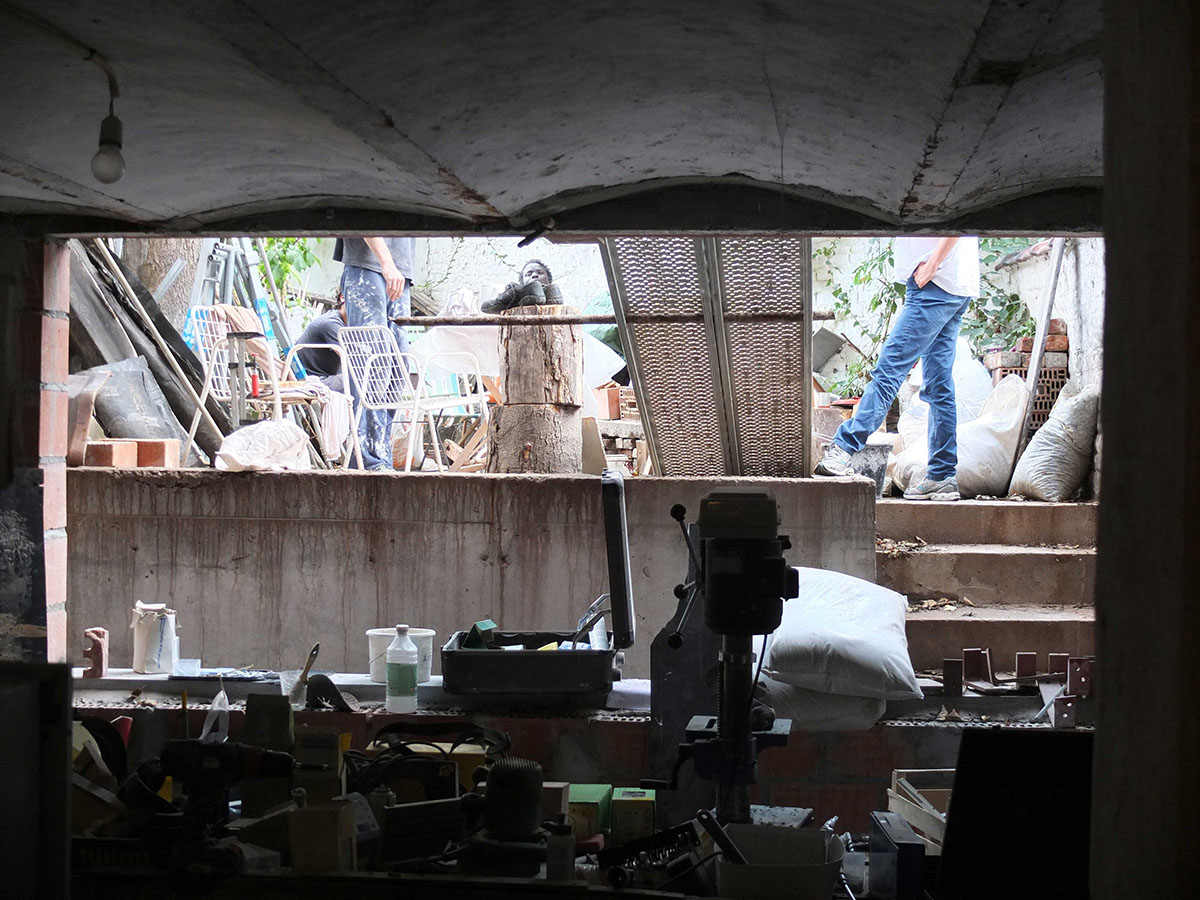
point(941, 276)
point(377, 279)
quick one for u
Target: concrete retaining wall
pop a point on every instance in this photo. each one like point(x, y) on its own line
point(261, 565)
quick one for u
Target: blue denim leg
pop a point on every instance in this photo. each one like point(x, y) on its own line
point(928, 315)
point(365, 293)
point(401, 306)
point(938, 392)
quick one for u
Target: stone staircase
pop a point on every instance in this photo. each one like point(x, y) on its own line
point(1028, 570)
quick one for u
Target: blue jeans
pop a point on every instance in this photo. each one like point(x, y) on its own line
point(927, 329)
point(365, 293)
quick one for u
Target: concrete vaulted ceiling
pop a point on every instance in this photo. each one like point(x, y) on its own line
point(466, 116)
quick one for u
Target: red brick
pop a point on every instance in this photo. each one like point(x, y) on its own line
point(1058, 326)
point(114, 454)
point(1057, 343)
point(801, 755)
point(52, 423)
point(160, 454)
point(54, 495)
point(56, 276)
point(56, 349)
point(1024, 345)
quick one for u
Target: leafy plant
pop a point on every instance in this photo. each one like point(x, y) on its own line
point(288, 257)
point(997, 317)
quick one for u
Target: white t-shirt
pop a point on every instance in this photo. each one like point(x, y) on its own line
point(958, 273)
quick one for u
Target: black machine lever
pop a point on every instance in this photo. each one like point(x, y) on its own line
point(691, 588)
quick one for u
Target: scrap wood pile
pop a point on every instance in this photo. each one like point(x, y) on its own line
point(134, 373)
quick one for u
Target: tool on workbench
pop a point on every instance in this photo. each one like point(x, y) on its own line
point(297, 693)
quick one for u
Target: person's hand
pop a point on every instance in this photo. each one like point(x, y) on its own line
point(393, 279)
point(924, 273)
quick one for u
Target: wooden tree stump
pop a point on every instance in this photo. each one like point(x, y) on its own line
point(539, 427)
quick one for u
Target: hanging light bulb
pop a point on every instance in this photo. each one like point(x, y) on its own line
point(108, 165)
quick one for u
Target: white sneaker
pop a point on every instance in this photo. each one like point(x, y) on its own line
point(835, 462)
point(947, 489)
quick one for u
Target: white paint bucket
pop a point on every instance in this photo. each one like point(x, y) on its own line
point(377, 644)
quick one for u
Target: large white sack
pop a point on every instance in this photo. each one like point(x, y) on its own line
point(972, 385)
point(1057, 459)
point(815, 711)
point(265, 445)
point(843, 635)
point(986, 445)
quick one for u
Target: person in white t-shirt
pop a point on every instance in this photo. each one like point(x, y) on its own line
point(941, 277)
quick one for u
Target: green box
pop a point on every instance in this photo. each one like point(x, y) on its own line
point(632, 814)
point(590, 806)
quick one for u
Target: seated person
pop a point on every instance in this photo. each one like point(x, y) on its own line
point(536, 288)
point(324, 364)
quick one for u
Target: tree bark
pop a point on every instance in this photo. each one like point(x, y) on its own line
point(539, 428)
point(151, 259)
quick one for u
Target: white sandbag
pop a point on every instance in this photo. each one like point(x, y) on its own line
point(265, 445)
point(1056, 461)
point(843, 635)
point(986, 445)
point(972, 385)
point(815, 711)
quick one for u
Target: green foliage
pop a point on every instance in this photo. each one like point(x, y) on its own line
point(996, 317)
point(288, 257)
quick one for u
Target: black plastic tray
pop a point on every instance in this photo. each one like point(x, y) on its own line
point(529, 671)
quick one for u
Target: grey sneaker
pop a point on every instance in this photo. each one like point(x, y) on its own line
point(927, 489)
point(836, 461)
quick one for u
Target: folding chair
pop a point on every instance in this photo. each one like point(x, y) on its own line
point(213, 341)
point(353, 447)
point(380, 373)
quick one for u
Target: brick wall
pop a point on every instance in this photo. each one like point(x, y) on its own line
point(34, 299)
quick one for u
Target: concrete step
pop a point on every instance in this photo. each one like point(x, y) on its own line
point(937, 634)
point(988, 522)
point(992, 574)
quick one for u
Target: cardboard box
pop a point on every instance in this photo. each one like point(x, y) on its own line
point(632, 814)
point(322, 837)
point(590, 805)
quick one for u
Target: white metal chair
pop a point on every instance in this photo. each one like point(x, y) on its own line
point(380, 373)
point(212, 342)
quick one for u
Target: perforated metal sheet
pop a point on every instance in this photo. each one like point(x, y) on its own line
point(723, 386)
point(671, 362)
point(768, 357)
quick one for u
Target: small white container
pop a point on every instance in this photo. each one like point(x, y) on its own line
point(378, 640)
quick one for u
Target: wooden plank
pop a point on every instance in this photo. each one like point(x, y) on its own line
point(933, 824)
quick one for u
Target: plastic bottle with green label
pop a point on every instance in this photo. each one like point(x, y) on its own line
point(401, 672)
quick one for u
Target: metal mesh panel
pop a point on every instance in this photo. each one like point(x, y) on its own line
point(763, 275)
point(677, 372)
point(661, 275)
point(767, 357)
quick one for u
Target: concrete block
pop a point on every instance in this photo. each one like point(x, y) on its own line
point(1056, 360)
point(111, 454)
point(158, 454)
point(995, 359)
